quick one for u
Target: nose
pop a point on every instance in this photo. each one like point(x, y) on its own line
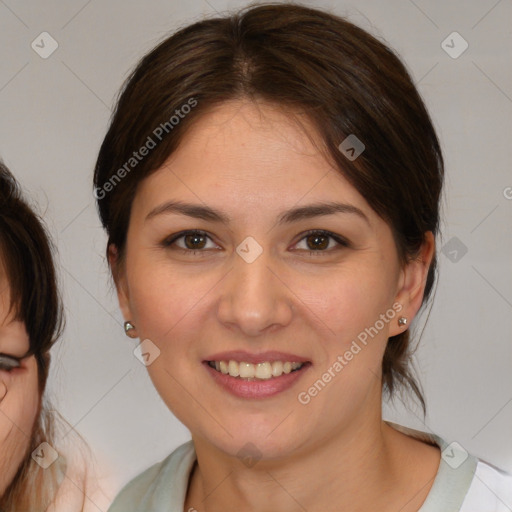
point(3, 390)
point(254, 299)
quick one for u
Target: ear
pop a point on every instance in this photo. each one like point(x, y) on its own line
point(412, 282)
point(119, 276)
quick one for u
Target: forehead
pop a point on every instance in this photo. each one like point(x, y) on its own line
point(242, 127)
point(241, 154)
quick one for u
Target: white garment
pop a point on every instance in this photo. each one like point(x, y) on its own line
point(463, 483)
point(490, 491)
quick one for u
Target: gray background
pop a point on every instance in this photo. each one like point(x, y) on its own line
point(54, 114)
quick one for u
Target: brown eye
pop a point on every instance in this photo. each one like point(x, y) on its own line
point(189, 242)
point(319, 241)
point(195, 241)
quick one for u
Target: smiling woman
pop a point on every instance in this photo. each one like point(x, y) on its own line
point(277, 244)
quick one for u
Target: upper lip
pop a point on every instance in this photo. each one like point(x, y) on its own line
point(247, 357)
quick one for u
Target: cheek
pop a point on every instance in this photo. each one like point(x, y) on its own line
point(163, 299)
point(349, 301)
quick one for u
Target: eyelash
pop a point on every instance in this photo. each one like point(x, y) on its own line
point(168, 242)
point(9, 363)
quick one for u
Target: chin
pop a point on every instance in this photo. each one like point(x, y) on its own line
point(253, 439)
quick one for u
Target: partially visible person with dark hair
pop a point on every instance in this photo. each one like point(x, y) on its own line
point(270, 184)
point(34, 476)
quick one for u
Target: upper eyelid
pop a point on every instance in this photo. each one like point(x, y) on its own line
point(12, 361)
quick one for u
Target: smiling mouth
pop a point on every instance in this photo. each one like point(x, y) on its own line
point(260, 371)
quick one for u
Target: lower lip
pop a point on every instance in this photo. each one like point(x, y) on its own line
point(256, 388)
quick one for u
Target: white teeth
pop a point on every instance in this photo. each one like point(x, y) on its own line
point(277, 368)
point(263, 371)
point(247, 370)
point(233, 369)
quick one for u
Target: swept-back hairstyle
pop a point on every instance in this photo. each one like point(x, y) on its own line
point(305, 60)
point(26, 255)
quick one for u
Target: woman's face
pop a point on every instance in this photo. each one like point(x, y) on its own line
point(254, 286)
point(19, 394)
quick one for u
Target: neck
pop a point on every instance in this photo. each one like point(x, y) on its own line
point(365, 464)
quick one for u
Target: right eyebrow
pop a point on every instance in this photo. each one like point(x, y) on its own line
point(196, 211)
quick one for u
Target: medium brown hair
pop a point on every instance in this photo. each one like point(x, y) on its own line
point(302, 59)
point(26, 252)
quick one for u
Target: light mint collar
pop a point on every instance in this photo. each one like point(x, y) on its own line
point(454, 475)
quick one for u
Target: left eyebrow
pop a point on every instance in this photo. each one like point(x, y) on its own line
point(295, 214)
point(318, 210)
